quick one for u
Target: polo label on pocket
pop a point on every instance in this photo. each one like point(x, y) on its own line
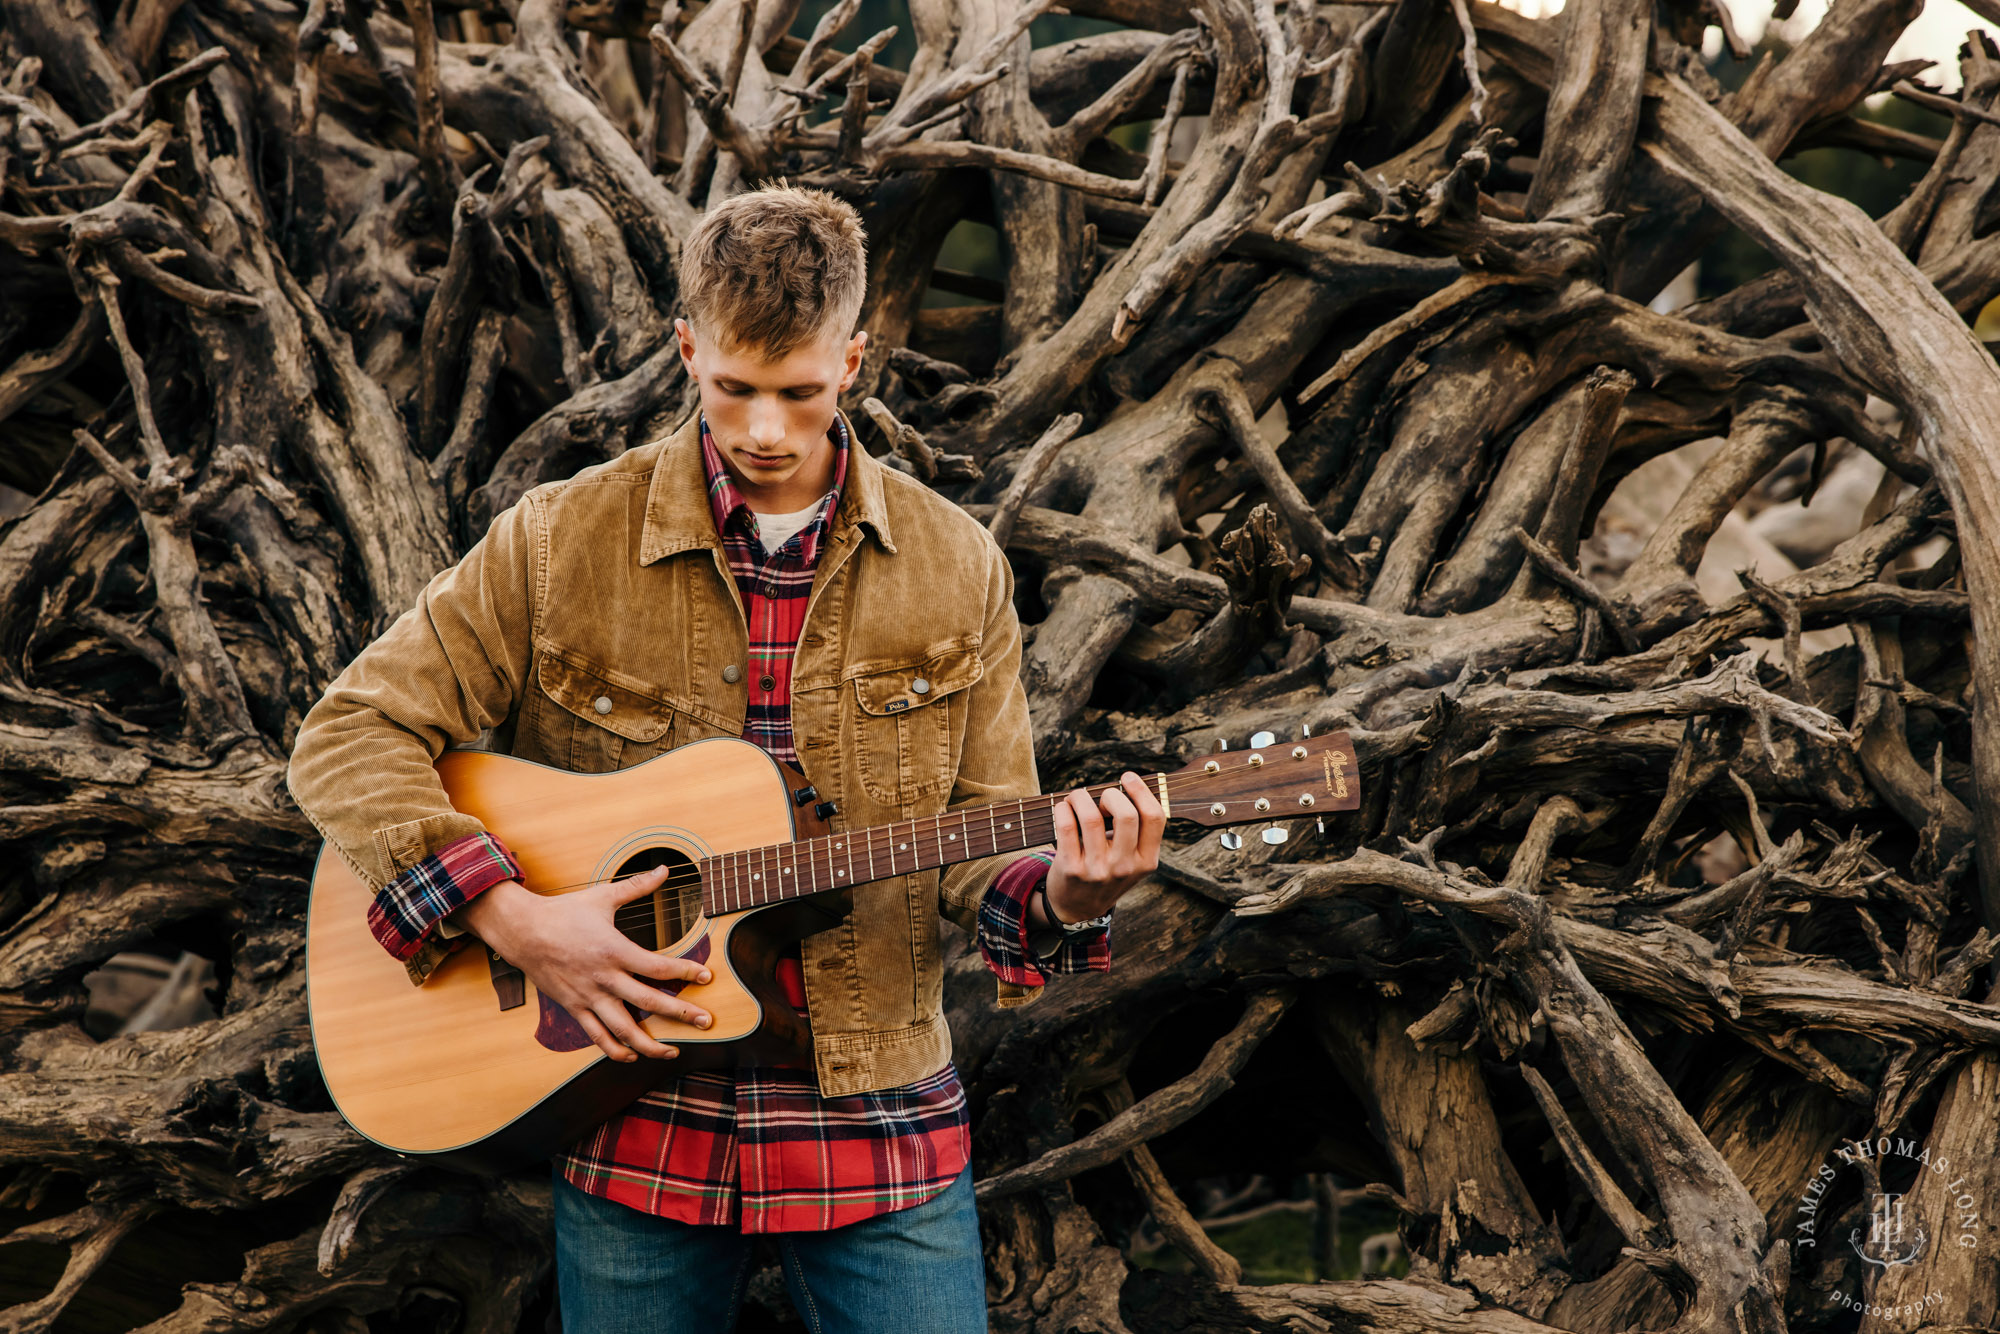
point(895, 706)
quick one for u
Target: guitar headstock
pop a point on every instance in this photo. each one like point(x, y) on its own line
point(1273, 778)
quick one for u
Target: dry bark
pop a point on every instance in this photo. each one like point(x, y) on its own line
point(1314, 412)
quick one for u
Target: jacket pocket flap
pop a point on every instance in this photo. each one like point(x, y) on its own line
point(897, 689)
point(594, 696)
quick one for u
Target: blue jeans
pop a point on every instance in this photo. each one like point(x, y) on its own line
point(620, 1270)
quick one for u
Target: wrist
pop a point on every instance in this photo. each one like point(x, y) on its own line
point(1046, 902)
point(487, 913)
point(1050, 906)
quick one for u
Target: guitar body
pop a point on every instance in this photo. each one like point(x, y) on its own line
point(475, 1068)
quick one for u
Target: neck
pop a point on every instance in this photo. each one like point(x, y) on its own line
point(754, 877)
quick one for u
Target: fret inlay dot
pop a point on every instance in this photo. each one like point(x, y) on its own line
point(901, 846)
point(1008, 825)
point(952, 837)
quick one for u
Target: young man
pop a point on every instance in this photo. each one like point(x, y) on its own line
point(756, 575)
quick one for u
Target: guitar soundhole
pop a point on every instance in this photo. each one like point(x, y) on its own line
point(658, 920)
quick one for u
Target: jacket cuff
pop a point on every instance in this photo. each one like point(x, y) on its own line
point(406, 908)
point(1003, 930)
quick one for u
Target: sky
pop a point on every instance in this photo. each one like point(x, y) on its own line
point(1935, 35)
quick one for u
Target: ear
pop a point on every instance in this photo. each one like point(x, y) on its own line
point(684, 334)
point(855, 348)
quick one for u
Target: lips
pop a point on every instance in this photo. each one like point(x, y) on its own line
point(765, 460)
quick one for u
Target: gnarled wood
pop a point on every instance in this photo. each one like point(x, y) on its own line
point(1318, 382)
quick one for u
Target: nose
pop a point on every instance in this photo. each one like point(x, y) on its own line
point(767, 424)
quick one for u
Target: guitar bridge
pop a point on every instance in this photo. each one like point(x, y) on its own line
point(510, 984)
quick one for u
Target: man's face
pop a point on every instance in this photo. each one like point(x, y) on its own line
point(770, 418)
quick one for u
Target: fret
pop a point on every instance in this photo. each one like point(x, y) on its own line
point(754, 877)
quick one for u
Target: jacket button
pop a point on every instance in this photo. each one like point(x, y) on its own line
point(921, 686)
point(767, 682)
point(603, 704)
point(732, 673)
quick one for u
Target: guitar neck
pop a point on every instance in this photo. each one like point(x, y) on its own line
point(755, 877)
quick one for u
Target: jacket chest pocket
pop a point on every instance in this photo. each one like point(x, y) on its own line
point(907, 722)
point(590, 719)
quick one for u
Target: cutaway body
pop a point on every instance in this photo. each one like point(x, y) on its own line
point(475, 1068)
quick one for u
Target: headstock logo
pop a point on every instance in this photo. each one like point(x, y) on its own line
point(1335, 765)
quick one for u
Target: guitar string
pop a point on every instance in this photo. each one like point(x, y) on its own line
point(640, 913)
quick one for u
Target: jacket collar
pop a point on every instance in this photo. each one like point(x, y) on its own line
point(678, 515)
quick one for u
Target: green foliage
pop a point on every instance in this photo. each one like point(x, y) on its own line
point(1875, 184)
point(1277, 1247)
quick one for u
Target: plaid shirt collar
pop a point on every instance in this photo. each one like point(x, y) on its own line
point(726, 501)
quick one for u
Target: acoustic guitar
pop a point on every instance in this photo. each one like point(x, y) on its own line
point(476, 1069)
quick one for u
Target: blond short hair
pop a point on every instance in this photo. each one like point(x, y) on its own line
point(775, 268)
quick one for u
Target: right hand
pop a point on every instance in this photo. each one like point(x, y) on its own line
point(567, 946)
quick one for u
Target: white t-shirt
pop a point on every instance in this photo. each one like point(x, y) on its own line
point(774, 530)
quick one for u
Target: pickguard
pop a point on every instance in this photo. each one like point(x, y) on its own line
point(559, 1031)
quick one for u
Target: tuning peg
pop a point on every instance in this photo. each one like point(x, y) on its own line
point(1305, 729)
point(1320, 820)
point(1260, 740)
point(1231, 839)
point(1222, 743)
point(1274, 835)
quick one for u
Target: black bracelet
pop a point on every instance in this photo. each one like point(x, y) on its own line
point(1042, 889)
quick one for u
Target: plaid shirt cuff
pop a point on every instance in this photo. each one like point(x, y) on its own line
point(410, 905)
point(1003, 930)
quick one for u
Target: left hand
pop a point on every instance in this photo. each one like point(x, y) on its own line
point(1092, 868)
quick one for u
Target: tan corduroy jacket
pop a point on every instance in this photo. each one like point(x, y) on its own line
point(613, 584)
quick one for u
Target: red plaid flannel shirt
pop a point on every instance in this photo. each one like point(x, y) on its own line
point(760, 1148)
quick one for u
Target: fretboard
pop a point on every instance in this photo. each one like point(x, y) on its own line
point(754, 877)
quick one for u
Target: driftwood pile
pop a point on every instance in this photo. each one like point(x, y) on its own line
point(1673, 887)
